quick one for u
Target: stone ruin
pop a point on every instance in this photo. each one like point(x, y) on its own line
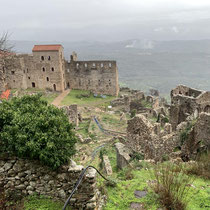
point(25, 177)
point(73, 114)
point(187, 102)
point(185, 136)
point(125, 100)
point(148, 139)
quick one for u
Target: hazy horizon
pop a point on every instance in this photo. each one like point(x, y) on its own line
point(98, 20)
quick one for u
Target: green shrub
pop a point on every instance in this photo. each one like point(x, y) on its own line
point(29, 128)
point(171, 185)
point(133, 113)
point(137, 156)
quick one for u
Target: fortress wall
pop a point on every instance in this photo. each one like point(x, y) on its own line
point(97, 76)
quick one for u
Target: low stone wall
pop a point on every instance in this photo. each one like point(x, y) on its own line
point(27, 177)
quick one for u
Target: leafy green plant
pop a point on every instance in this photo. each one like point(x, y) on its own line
point(29, 128)
point(165, 157)
point(137, 156)
point(171, 185)
point(133, 113)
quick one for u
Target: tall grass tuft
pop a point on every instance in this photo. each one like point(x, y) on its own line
point(172, 185)
point(201, 167)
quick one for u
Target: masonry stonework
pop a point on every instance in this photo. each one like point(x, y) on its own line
point(47, 69)
point(186, 102)
point(25, 177)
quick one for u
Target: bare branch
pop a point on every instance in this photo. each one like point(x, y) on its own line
point(5, 46)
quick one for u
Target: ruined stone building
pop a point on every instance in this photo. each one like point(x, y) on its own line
point(186, 102)
point(46, 68)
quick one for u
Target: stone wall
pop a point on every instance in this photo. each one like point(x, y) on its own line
point(44, 74)
point(72, 113)
point(49, 70)
point(27, 177)
point(135, 97)
point(147, 139)
point(185, 102)
point(97, 76)
point(2, 75)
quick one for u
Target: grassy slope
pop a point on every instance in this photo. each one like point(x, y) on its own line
point(35, 202)
point(71, 98)
point(121, 196)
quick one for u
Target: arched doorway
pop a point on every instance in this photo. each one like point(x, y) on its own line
point(68, 85)
point(54, 87)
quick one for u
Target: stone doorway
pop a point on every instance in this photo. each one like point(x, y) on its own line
point(54, 87)
point(33, 84)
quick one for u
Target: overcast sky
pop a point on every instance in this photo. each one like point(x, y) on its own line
point(105, 20)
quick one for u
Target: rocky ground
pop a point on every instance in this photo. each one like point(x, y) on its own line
point(132, 136)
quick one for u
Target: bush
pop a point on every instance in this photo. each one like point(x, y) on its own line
point(133, 113)
point(29, 128)
point(171, 185)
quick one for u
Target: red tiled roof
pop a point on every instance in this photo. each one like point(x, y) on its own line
point(53, 47)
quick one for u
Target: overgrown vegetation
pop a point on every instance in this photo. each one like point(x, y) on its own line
point(201, 167)
point(83, 97)
point(133, 113)
point(29, 128)
point(146, 104)
point(171, 185)
point(35, 202)
point(185, 133)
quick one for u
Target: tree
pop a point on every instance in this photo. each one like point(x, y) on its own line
point(5, 46)
point(30, 128)
point(5, 52)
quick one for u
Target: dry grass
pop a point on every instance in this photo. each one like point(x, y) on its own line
point(201, 167)
point(171, 185)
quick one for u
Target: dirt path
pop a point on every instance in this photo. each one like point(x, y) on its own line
point(58, 99)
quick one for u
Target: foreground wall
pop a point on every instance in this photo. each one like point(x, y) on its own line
point(27, 177)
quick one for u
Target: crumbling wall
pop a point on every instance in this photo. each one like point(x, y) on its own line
point(100, 77)
point(13, 72)
point(197, 138)
point(181, 108)
point(2, 75)
point(147, 139)
point(27, 177)
point(129, 102)
point(186, 101)
point(72, 113)
point(139, 131)
point(185, 91)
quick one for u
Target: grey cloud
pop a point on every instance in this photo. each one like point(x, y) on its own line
point(105, 19)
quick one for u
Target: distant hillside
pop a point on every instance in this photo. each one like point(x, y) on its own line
point(145, 64)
